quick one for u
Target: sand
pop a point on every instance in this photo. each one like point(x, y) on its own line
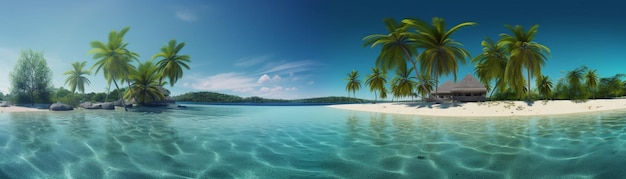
point(20, 109)
point(491, 108)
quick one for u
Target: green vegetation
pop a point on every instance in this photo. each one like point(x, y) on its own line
point(31, 79)
point(376, 81)
point(145, 86)
point(354, 84)
point(402, 84)
point(213, 97)
point(76, 78)
point(171, 65)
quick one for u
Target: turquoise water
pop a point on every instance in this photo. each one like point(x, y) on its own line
point(307, 142)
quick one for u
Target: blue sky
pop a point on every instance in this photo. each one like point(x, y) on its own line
point(295, 49)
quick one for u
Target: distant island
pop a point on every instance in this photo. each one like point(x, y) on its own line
point(213, 97)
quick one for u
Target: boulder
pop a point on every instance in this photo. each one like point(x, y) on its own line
point(60, 107)
point(4, 104)
point(86, 105)
point(107, 106)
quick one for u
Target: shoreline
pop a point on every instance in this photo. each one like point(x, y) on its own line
point(20, 109)
point(490, 108)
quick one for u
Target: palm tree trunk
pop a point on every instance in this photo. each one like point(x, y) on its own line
point(120, 94)
point(417, 74)
point(494, 89)
point(528, 71)
point(108, 92)
point(375, 97)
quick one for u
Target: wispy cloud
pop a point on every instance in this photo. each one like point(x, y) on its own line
point(291, 67)
point(225, 81)
point(187, 15)
point(247, 62)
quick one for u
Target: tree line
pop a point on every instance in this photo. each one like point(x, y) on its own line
point(31, 77)
point(428, 51)
point(213, 97)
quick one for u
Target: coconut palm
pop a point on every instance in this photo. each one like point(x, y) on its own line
point(171, 64)
point(113, 58)
point(524, 53)
point(145, 84)
point(491, 65)
point(354, 84)
point(544, 86)
point(376, 81)
point(574, 78)
point(402, 84)
point(591, 80)
point(441, 53)
point(76, 78)
point(398, 47)
point(424, 88)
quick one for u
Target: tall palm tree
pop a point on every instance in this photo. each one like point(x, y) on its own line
point(591, 80)
point(544, 86)
point(441, 53)
point(76, 78)
point(145, 84)
point(113, 58)
point(524, 53)
point(402, 84)
point(491, 65)
point(354, 84)
point(376, 81)
point(171, 64)
point(398, 47)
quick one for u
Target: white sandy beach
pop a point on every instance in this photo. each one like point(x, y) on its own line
point(19, 109)
point(491, 108)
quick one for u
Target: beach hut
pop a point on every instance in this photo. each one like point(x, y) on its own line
point(469, 89)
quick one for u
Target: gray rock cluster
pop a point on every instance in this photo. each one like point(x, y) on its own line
point(89, 105)
point(4, 104)
point(60, 107)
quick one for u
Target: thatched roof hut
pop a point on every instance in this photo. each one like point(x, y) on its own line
point(445, 88)
point(469, 84)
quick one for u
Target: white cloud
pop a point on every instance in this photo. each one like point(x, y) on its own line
point(186, 15)
point(225, 81)
point(264, 78)
point(310, 83)
point(276, 78)
point(291, 67)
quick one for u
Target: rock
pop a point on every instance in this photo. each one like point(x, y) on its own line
point(60, 107)
point(86, 105)
point(4, 104)
point(107, 106)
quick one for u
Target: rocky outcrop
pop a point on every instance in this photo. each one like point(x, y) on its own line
point(107, 106)
point(4, 104)
point(60, 107)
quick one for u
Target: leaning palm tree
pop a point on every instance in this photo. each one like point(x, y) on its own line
point(76, 78)
point(544, 86)
point(113, 58)
point(398, 47)
point(376, 81)
point(145, 84)
point(354, 84)
point(171, 64)
point(441, 53)
point(524, 53)
point(591, 80)
point(491, 65)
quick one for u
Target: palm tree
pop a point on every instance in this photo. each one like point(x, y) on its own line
point(574, 77)
point(76, 78)
point(145, 84)
point(426, 87)
point(171, 65)
point(491, 65)
point(402, 84)
point(376, 81)
point(354, 84)
point(544, 86)
point(398, 47)
point(524, 53)
point(113, 58)
point(591, 80)
point(441, 53)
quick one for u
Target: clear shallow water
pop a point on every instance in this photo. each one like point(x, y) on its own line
point(307, 142)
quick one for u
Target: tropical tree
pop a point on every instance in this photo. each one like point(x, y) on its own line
point(524, 53)
point(402, 84)
point(491, 65)
point(145, 84)
point(354, 84)
point(376, 81)
point(591, 80)
point(76, 78)
point(31, 79)
point(441, 53)
point(171, 64)
point(544, 86)
point(113, 58)
point(398, 47)
point(574, 77)
point(426, 87)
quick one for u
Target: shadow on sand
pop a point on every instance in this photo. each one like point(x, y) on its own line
point(434, 105)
